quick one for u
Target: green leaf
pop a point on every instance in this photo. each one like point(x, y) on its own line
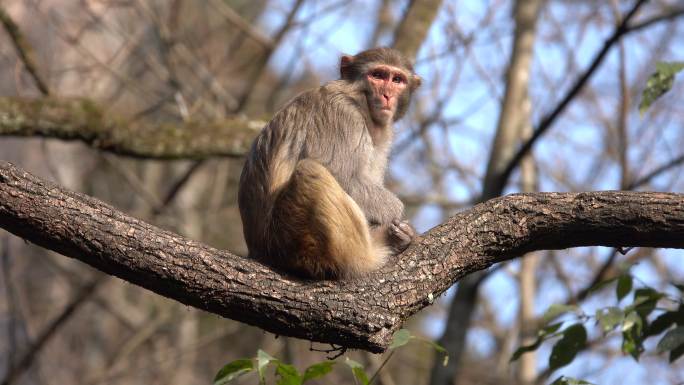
point(632, 339)
point(556, 310)
point(263, 359)
point(562, 380)
point(659, 83)
point(645, 301)
point(317, 370)
point(632, 320)
point(403, 336)
point(671, 340)
point(624, 286)
point(676, 353)
point(550, 329)
point(526, 349)
point(542, 335)
point(661, 323)
point(439, 348)
point(564, 351)
point(400, 338)
point(609, 318)
point(287, 374)
point(233, 370)
point(630, 345)
point(357, 370)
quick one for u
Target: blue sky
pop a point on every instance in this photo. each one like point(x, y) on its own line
point(572, 145)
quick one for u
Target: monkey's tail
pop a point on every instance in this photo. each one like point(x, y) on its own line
point(314, 217)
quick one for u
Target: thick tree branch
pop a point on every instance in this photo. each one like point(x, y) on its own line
point(362, 313)
point(83, 120)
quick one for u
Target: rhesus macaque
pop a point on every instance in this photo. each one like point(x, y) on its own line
point(311, 195)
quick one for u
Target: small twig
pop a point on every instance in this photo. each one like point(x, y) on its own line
point(11, 299)
point(178, 186)
point(653, 174)
point(243, 25)
point(548, 120)
point(166, 356)
point(599, 276)
point(673, 14)
point(384, 362)
point(133, 180)
point(263, 61)
point(624, 250)
point(335, 350)
point(23, 50)
point(25, 361)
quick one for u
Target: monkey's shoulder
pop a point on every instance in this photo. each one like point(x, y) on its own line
point(329, 99)
point(318, 121)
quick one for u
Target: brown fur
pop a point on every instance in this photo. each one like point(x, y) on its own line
point(329, 230)
point(311, 193)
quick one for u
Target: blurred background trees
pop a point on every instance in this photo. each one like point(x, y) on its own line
point(563, 76)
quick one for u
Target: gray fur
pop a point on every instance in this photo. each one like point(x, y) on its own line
point(331, 125)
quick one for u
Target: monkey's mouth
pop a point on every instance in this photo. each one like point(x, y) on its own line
point(385, 107)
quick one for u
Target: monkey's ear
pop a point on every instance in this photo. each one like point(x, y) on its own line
point(346, 64)
point(417, 81)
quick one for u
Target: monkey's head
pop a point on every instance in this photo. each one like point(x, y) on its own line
point(388, 81)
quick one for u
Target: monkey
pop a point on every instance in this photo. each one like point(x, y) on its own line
point(311, 194)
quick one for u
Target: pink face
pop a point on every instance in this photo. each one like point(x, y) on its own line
point(387, 83)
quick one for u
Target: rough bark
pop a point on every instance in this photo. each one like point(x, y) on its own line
point(361, 313)
point(83, 120)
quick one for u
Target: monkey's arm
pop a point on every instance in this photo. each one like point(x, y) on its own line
point(379, 204)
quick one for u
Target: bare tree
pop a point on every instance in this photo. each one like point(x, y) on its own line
point(149, 106)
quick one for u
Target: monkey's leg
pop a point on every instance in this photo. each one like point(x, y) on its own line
point(326, 229)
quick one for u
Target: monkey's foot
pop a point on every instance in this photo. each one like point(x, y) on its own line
point(400, 234)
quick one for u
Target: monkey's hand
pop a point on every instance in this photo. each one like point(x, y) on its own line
point(399, 235)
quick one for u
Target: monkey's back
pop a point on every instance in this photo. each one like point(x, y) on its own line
point(321, 125)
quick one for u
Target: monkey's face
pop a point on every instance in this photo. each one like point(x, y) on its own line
point(387, 86)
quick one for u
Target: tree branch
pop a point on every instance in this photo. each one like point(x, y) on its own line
point(23, 50)
point(24, 363)
point(550, 118)
point(83, 120)
point(414, 26)
point(361, 313)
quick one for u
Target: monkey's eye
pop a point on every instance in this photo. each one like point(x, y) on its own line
point(397, 79)
point(377, 74)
